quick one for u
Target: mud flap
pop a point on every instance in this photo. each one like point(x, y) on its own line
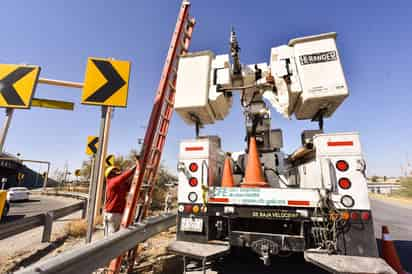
point(347, 264)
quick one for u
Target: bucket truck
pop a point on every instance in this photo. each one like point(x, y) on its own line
point(312, 200)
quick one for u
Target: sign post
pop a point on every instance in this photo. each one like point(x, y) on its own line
point(106, 84)
point(102, 167)
point(5, 129)
point(96, 169)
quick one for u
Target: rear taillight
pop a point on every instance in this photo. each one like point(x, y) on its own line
point(342, 165)
point(196, 209)
point(193, 181)
point(345, 215)
point(193, 167)
point(344, 183)
point(188, 209)
point(354, 215)
point(365, 216)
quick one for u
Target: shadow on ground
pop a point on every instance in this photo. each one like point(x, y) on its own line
point(245, 261)
point(25, 201)
point(12, 218)
point(242, 262)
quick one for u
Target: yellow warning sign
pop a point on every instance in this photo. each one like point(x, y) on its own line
point(91, 148)
point(106, 82)
point(17, 85)
point(110, 160)
point(77, 172)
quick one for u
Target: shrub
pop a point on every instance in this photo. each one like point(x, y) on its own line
point(77, 228)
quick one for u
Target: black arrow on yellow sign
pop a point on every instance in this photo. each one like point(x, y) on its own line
point(113, 84)
point(9, 93)
point(110, 160)
point(93, 145)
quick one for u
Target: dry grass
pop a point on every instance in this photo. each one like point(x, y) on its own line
point(77, 228)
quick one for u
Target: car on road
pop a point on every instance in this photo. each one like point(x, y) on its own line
point(18, 194)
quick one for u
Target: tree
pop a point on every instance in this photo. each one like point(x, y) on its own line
point(123, 162)
point(164, 180)
point(85, 170)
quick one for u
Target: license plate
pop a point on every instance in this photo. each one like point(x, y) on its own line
point(191, 224)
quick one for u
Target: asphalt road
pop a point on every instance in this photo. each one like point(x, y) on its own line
point(397, 217)
point(35, 205)
point(30, 241)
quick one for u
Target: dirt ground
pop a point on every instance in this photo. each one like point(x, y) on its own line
point(153, 256)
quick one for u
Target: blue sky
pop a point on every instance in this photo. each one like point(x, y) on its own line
point(374, 40)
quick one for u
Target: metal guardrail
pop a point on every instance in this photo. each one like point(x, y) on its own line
point(44, 219)
point(76, 195)
point(88, 258)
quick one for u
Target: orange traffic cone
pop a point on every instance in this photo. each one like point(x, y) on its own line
point(253, 174)
point(227, 179)
point(389, 253)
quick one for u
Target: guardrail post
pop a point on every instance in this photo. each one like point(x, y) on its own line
point(84, 210)
point(48, 225)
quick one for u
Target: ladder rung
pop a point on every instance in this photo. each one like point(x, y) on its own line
point(170, 103)
point(171, 85)
point(150, 167)
point(174, 70)
point(167, 119)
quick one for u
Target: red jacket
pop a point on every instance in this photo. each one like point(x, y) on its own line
point(116, 191)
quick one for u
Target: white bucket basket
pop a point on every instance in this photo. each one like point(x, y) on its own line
point(321, 75)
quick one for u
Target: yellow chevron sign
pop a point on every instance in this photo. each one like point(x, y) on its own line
point(106, 82)
point(17, 85)
point(92, 142)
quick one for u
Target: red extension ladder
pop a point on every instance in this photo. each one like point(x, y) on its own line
point(143, 181)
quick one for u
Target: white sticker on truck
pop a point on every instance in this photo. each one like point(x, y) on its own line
point(262, 196)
